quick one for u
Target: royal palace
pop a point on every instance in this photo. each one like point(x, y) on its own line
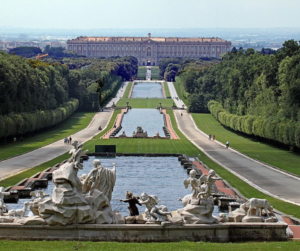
point(149, 50)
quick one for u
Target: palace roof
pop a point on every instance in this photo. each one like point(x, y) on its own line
point(145, 39)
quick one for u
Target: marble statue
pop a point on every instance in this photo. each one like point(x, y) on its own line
point(199, 205)
point(207, 187)
point(36, 199)
point(132, 200)
point(139, 133)
point(139, 129)
point(251, 211)
point(100, 178)
point(76, 200)
point(76, 154)
point(19, 212)
point(3, 206)
point(258, 205)
point(154, 212)
point(194, 182)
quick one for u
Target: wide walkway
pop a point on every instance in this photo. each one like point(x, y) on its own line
point(34, 158)
point(264, 178)
point(179, 103)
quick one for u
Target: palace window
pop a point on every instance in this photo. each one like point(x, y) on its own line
point(148, 52)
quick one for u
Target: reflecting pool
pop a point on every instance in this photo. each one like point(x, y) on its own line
point(161, 176)
point(147, 90)
point(151, 120)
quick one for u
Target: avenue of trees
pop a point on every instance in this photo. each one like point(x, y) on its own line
point(251, 92)
point(35, 94)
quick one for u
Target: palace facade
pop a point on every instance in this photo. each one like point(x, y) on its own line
point(149, 50)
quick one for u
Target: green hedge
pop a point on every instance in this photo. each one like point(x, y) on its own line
point(285, 132)
point(21, 123)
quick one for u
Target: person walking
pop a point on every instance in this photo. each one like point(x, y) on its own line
point(209, 136)
point(227, 144)
point(70, 140)
point(214, 137)
point(15, 140)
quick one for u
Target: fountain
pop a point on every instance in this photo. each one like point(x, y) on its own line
point(80, 208)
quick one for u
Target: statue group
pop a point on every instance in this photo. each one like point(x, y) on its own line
point(86, 199)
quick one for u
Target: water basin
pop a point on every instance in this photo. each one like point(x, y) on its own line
point(147, 90)
point(161, 176)
point(151, 120)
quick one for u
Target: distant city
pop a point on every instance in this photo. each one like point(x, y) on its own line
point(256, 38)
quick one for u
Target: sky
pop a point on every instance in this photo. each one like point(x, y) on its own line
point(141, 14)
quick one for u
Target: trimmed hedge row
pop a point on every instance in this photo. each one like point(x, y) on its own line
point(286, 132)
point(17, 124)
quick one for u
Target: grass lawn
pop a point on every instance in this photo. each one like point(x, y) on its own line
point(142, 72)
point(180, 90)
point(184, 245)
point(155, 73)
point(73, 124)
point(145, 103)
point(282, 159)
point(167, 91)
point(26, 174)
point(127, 91)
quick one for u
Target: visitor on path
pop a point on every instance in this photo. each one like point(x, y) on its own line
point(100, 128)
point(227, 144)
point(181, 114)
point(209, 136)
point(70, 140)
point(214, 137)
point(15, 140)
point(21, 139)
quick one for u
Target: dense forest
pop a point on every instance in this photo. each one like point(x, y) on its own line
point(36, 94)
point(251, 92)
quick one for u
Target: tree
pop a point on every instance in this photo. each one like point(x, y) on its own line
point(101, 84)
point(26, 52)
point(233, 50)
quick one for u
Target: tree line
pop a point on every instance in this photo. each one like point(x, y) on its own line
point(169, 68)
point(254, 92)
point(31, 88)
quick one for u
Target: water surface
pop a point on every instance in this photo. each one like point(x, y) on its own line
point(147, 90)
point(160, 176)
point(151, 120)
